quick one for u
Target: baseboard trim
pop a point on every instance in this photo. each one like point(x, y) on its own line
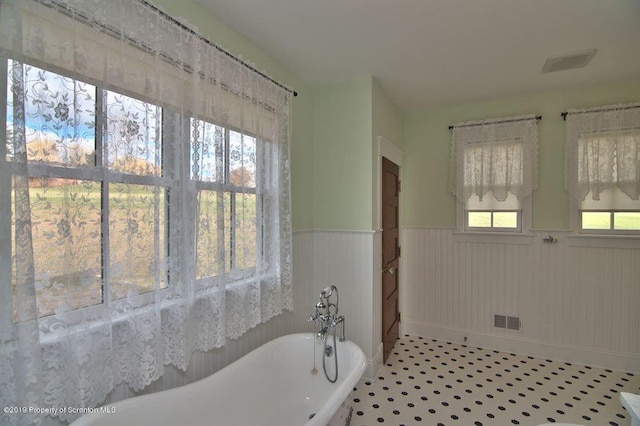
point(374, 364)
point(576, 355)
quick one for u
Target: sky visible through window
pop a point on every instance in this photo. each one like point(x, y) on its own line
point(60, 121)
point(60, 128)
point(58, 111)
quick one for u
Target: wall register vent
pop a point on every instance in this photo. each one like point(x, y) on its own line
point(508, 322)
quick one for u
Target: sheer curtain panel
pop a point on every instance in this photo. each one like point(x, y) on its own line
point(144, 201)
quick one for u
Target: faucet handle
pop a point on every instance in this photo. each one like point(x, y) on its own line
point(337, 320)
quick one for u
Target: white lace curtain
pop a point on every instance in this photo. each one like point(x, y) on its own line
point(144, 200)
point(602, 151)
point(497, 156)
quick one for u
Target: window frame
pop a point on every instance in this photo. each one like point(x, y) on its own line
point(227, 255)
point(576, 222)
point(115, 177)
point(492, 228)
point(575, 218)
point(519, 137)
point(101, 174)
point(523, 213)
point(6, 174)
point(523, 218)
point(98, 173)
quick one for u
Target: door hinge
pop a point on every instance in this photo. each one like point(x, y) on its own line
point(399, 316)
point(399, 186)
point(399, 251)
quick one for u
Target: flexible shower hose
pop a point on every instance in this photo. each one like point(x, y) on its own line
point(335, 356)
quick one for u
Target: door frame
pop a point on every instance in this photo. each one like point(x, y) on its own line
point(385, 148)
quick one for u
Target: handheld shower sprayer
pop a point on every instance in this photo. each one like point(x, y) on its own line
point(328, 291)
point(327, 321)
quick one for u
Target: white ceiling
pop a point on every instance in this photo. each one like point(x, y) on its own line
point(431, 53)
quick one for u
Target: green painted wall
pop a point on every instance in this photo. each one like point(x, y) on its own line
point(387, 122)
point(426, 201)
point(302, 132)
point(342, 176)
point(387, 117)
point(348, 118)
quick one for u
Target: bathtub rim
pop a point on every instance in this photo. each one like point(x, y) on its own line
point(329, 408)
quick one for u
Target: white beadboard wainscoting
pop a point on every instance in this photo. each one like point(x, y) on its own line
point(578, 298)
point(344, 258)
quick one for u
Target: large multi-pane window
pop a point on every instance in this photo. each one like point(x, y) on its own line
point(144, 199)
point(99, 187)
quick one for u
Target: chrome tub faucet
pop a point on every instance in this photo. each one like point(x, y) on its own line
point(325, 314)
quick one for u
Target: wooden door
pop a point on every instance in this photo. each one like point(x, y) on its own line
point(390, 255)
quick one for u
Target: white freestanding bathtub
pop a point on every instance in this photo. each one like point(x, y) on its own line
point(272, 385)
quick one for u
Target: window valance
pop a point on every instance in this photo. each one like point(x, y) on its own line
point(497, 156)
point(158, 61)
point(602, 151)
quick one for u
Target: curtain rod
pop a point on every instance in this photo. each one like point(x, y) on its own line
point(215, 46)
point(613, 108)
point(537, 117)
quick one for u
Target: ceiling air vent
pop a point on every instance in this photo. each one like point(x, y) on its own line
point(508, 322)
point(568, 61)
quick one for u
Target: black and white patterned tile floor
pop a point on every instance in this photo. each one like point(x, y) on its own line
point(437, 383)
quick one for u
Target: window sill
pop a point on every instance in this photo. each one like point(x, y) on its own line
point(604, 240)
point(145, 303)
point(493, 237)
